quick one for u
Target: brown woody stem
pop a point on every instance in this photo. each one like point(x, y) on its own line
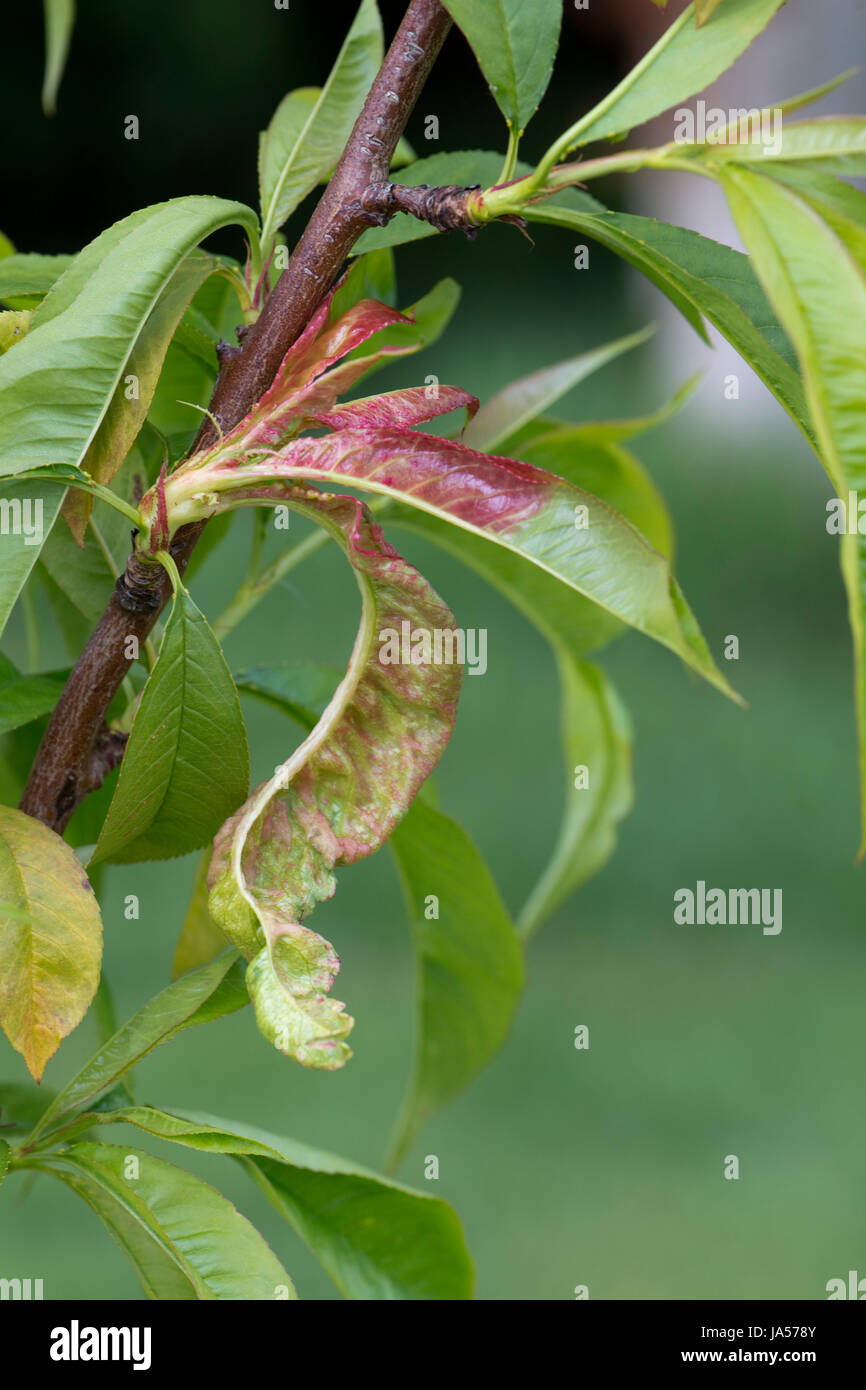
point(72, 753)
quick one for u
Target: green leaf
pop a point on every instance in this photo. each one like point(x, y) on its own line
point(28, 510)
point(174, 1008)
point(829, 144)
point(469, 970)
point(465, 168)
point(686, 59)
point(596, 736)
point(59, 23)
point(837, 202)
point(84, 574)
point(309, 129)
point(702, 277)
point(182, 393)
point(21, 1105)
point(404, 154)
point(376, 1238)
point(200, 938)
point(104, 1015)
point(25, 278)
point(613, 431)
point(17, 751)
point(186, 766)
point(814, 93)
point(205, 1133)
point(277, 145)
point(5, 1153)
point(372, 276)
point(818, 288)
point(50, 938)
point(81, 338)
point(300, 689)
point(704, 9)
point(184, 1238)
point(519, 402)
point(25, 698)
point(515, 45)
point(86, 327)
point(229, 996)
point(130, 403)
point(81, 579)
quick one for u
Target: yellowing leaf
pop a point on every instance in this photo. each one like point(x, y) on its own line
point(50, 938)
point(14, 323)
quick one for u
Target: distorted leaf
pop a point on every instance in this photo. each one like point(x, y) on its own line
point(337, 798)
point(564, 530)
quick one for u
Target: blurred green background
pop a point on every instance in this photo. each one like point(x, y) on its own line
point(602, 1167)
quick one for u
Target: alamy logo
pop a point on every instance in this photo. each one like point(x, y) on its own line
point(22, 517)
point(713, 126)
point(846, 518)
point(23, 1289)
point(424, 646)
point(738, 906)
point(855, 1288)
point(76, 1343)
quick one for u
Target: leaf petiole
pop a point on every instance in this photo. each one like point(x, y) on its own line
point(65, 475)
point(171, 569)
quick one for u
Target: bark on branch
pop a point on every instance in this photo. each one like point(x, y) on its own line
point(63, 771)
